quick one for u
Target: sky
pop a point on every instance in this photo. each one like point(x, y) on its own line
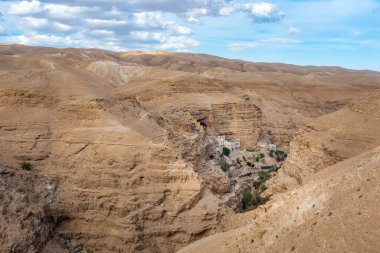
point(304, 32)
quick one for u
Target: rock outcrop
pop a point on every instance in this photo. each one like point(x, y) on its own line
point(236, 121)
point(27, 211)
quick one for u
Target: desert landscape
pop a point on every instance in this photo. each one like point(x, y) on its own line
point(105, 151)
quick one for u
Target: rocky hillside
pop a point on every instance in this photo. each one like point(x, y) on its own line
point(126, 139)
point(335, 160)
point(335, 137)
point(335, 212)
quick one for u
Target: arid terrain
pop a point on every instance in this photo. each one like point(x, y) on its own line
point(122, 154)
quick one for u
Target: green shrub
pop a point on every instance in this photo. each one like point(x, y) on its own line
point(280, 155)
point(256, 199)
point(26, 165)
point(271, 153)
point(224, 165)
point(238, 160)
point(250, 164)
point(226, 151)
point(263, 175)
point(261, 155)
point(256, 184)
point(245, 159)
point(262, 187)
point(257, 159)
point(247, 197)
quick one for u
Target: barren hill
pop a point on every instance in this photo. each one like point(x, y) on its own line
point(125, 144)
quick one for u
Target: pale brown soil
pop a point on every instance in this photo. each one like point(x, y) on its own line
point(118, 139)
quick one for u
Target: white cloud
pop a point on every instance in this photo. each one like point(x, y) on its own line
point(37, 39)
point(166, 42)
point(226, 11)
point(181, 30)
point(60, 11)
point(172, 6)
point(190, 10)
point(102, 32)
point(93, 22)
point(258, 12)
point(114, 12)
point(128, 23)
point(239, 46)
point(193, 15)
point(262, 10)
point(177, 43)
point(143, 35)
point(25, 8)
point(2, 30)
point(148, 19)
point(44, 24)
point(293, 30)
point(34, 23)
point(61, 27)
point(62, 41)
point(280, 41)
point(193, 20)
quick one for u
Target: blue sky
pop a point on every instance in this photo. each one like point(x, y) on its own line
point(305, 32)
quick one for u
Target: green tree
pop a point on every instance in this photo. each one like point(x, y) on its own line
point(226, 151)
point(256, 199)
point(224, 165)
point(247, 197)
point(263, 175)
point(262, 187)
point(256, 184)
point(280, 155)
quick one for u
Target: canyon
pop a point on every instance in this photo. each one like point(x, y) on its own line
point(123, 153)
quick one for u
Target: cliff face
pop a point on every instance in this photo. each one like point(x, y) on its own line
point(123, 144)
point(133, 191)
point(241, 121)
point(144, 194)
point(236, 121)
point(117, 173)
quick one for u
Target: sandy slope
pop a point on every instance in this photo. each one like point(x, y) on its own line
point(120, 137)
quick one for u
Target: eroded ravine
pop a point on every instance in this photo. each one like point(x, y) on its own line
point(130, 150)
